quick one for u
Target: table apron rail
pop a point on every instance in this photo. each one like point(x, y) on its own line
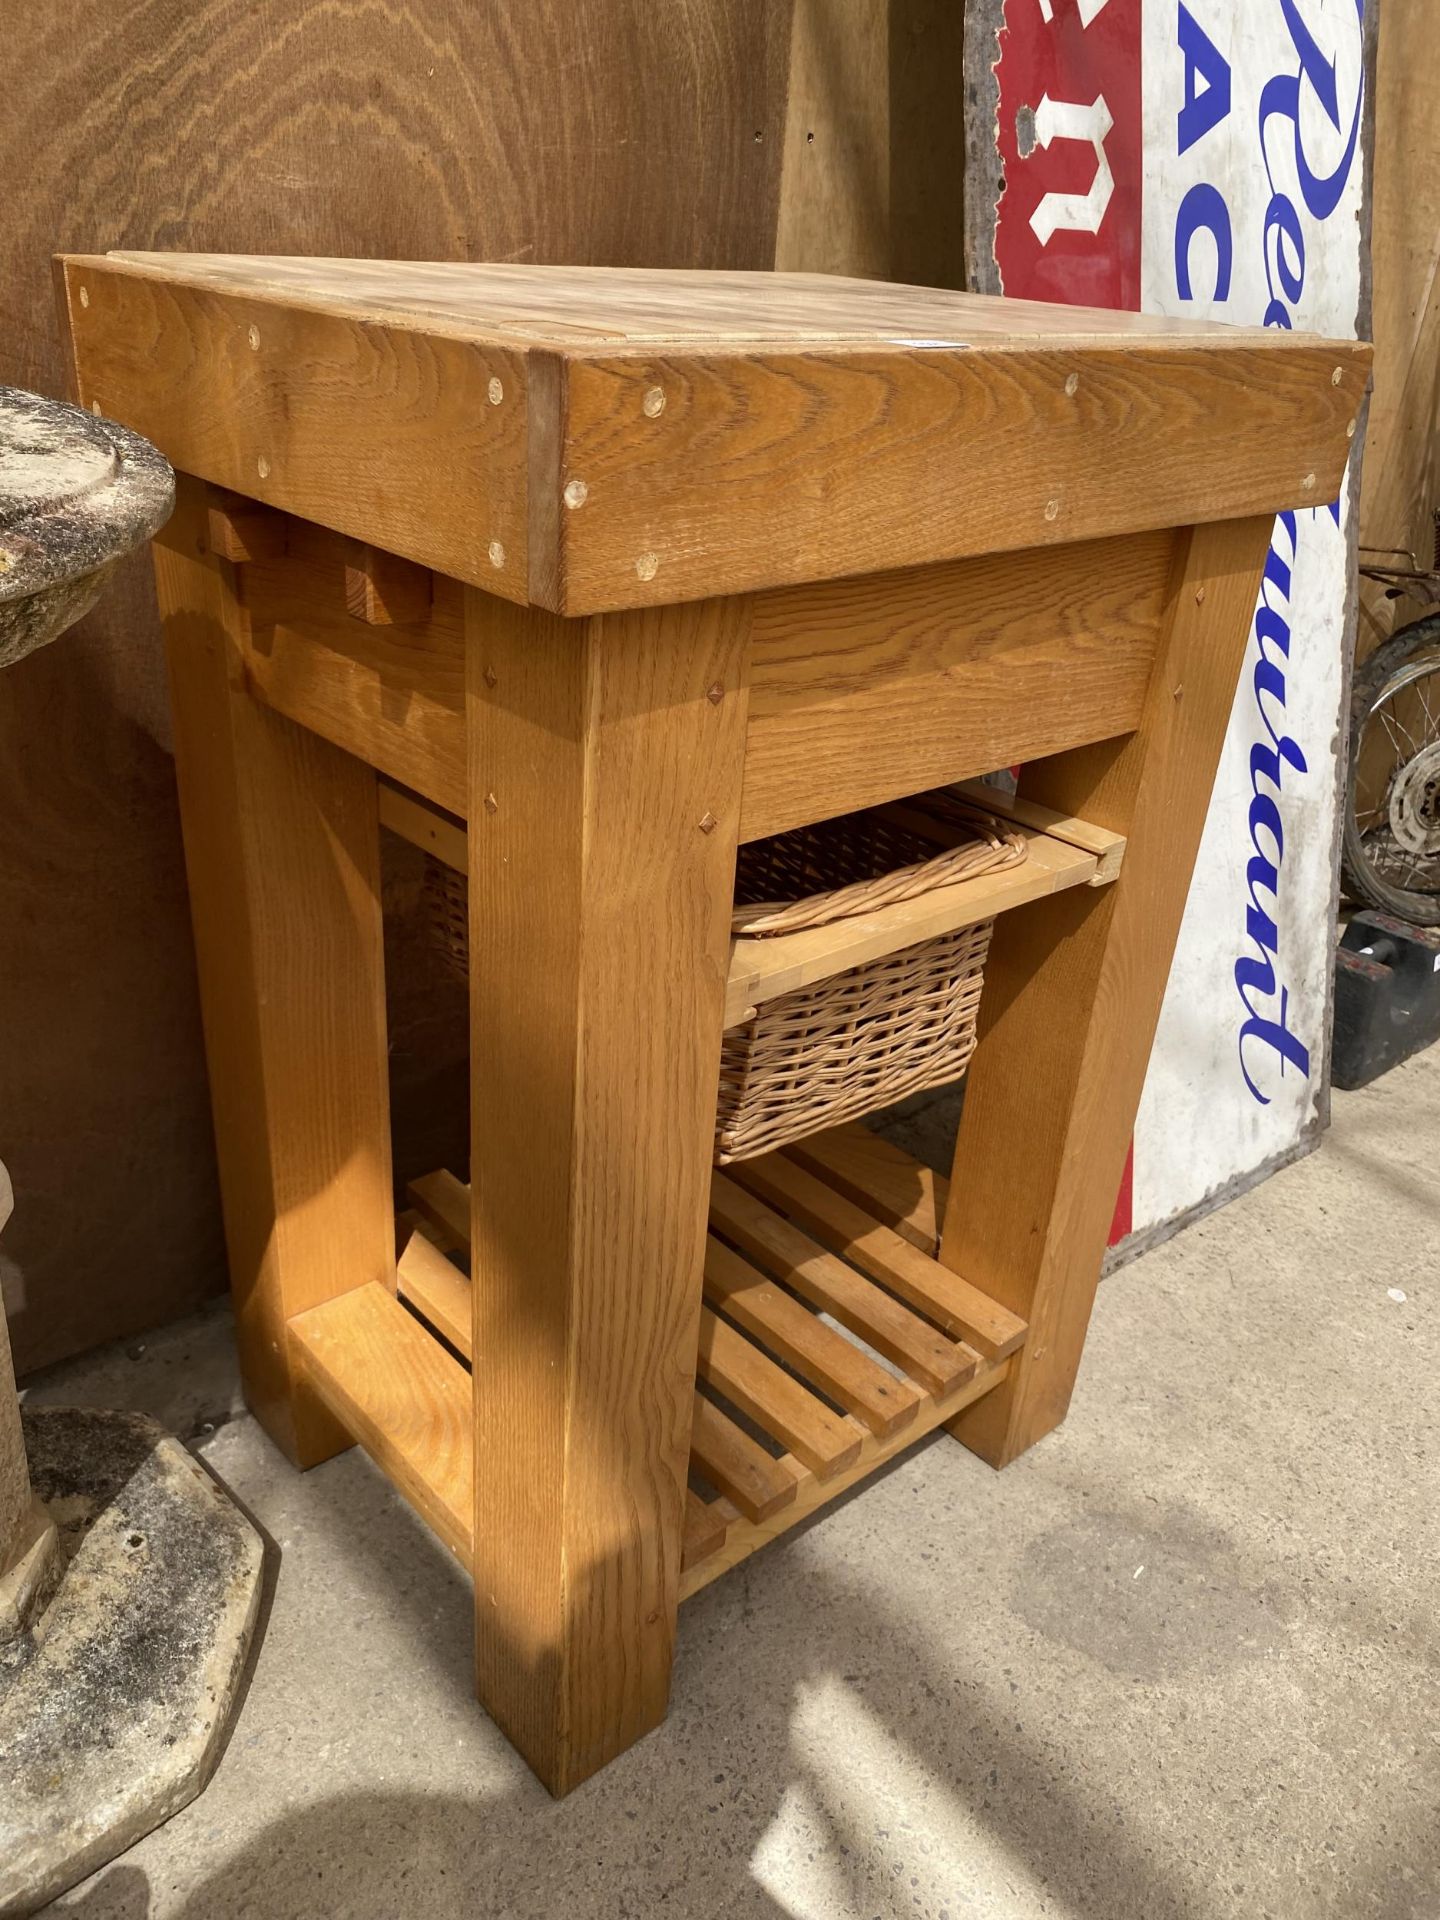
point(860, 690)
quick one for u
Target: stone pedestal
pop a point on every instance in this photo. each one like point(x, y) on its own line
point(30, 1563)
point(114, 1704)
point(76, 495)
point(129, 1582)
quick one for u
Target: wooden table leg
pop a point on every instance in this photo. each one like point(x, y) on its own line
point(1072, 997)
point(282, 852)
point(605, 770)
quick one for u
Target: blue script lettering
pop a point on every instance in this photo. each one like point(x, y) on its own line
point(1321, 192)
point(1263, 995)
point(1301, 184)
point(1255, 973)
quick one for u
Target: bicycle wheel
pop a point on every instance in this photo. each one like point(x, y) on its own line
point(1391, 843)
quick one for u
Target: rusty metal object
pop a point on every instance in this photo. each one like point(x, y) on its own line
point(1408, 582)
point(77, 493)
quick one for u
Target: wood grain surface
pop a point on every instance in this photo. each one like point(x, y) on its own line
point(594, 440)
point(542, 132)
point(815, 1351)
point(767, 468)
point(606, 760)
point(411, 439)
point(591, 311)
point(1073, 992)
point(393, 694)
point(783, 1249)
point(1075, 854)
point(763, 1391)
point(744, 1536)
point(882, 1177)
point(764, 1434)
point(282, 851)
point(873, 175)
point(944, 672)
point(844, 1226)
point(1400, 479)
point(861, 690)
point(740, 1467)
point(405, 1399)
point(437, 1290)
point(762, 969)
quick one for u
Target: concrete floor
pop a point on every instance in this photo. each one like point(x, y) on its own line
point(1182, 1659)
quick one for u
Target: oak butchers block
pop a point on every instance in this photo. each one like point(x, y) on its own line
point(581, 580)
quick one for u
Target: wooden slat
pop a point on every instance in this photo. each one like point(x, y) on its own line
point(824, 1357)
point(775, 1401)
point(881, 1177)
point(408, 1404)
point(917, 1278)
point(763, 969)
point(867, 689)
point(1107, 848)
point(883, 1323)
point(424, 826)
point(445, 1200)
point(401, 1396)
point(409, 1220)
point(758, 1483)
point(704, 1530)
point(437, 1290)
point(828, 1454)
point(744, 1537)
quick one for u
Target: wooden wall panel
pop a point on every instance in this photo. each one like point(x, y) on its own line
point(874, 142)
point(421, 129)
point(1400, 482)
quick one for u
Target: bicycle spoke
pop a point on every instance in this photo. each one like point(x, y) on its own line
point(1390, 722)
point(1429, 716)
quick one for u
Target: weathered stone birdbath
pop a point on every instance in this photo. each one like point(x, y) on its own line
point(129, 1582)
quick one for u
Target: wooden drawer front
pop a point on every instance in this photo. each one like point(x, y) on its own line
point(864, 690)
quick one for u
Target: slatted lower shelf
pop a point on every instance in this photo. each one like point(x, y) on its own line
point(830, 1340)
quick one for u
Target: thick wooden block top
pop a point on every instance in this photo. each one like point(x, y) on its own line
point(591, 438)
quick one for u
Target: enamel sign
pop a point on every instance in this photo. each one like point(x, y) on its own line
point(1208, 157)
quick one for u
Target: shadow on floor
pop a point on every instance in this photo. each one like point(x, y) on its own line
point(803, 1785)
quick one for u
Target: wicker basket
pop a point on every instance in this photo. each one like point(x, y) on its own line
point(861, 1039)
point(895, 1026)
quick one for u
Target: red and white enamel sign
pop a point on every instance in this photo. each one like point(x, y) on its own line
point(1208, 157)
